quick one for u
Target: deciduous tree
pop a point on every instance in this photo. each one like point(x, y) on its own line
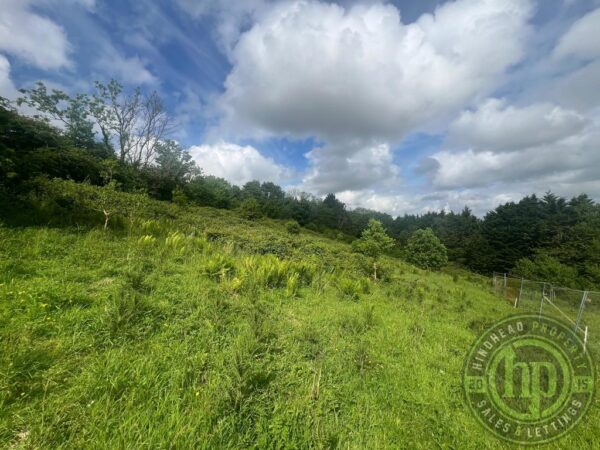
point(425, 250)
point(373, 242)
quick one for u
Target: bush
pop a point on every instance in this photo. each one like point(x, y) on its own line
point(425, 250)
point(267, 246)
point(271, 272)
point(218, 267)
point(292, 227)
point(313, 227)
point(106, 200)
point(352, 288)
point(250, 209)
point(546, 268)
point(179, 197)
point(71, 163)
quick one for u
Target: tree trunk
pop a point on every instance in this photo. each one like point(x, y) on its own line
point(106, 218)
point(106, 138)
point(375, 271)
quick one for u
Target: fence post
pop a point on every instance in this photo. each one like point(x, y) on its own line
point(542, 302)
point(581, 309)
point(585, 337)
point(518, 299)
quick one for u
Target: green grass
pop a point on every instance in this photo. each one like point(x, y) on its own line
point(207, 331)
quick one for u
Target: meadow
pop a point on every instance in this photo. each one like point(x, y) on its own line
point(199, 329)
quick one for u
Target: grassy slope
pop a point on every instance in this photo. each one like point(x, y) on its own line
point(109, 340)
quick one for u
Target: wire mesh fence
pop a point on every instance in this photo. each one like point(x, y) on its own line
point(579, 308)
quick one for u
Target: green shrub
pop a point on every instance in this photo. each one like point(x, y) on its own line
point(215, 236)
point(218, 267)
point(268, 246)
point(306, 271)
point(271, 272)
point(250, 209)
point(176, 243)
point(425, 250)
point(179, 197)
point(292, 227)
point(352, 288)
point(150, 227)
point(313, 227)
point(360, 321)
point(107, 201)
point(546, 268)
point(292, 285)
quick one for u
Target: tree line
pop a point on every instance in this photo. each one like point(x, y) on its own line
point(118, 138)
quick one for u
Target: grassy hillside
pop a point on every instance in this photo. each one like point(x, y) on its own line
point(199, 329)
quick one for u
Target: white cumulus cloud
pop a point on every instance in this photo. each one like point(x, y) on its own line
point(32, 37)
point(349, 165)
point(582, 39)
point(498, 126)
point(237, 164)
point(393, 204)
point(359, 79)
point(570, 161)
point(310, 68)
point(7, 88)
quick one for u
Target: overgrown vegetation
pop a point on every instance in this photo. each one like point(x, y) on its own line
point(188, 327)
point(549, 238)
point(132, 317)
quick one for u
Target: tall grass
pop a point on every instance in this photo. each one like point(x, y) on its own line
point(164, 335)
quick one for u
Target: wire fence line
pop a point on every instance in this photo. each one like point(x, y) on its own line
point(580, 308)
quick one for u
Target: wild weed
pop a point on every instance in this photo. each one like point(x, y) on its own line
point(352, 288)
point(176, 243)
point(218, 267)
point(292, 285)
point(147, 240)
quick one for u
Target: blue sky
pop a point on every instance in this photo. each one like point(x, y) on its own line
point(400, 106)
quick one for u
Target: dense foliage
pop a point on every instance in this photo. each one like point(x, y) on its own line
point(132, 317)
point(548, 238)
point(191, 327)
point(425, 250)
